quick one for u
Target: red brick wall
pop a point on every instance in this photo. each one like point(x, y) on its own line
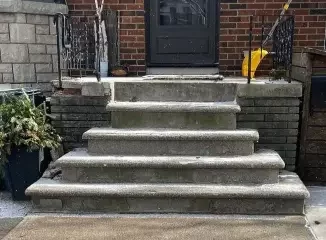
point(310, 17)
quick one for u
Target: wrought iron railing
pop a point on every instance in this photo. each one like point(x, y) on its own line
point(283, 45)
point(278, 42)
point(78, 44)
point(75, 46)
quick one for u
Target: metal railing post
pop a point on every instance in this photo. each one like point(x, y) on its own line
point(291, 50)
point(262, 35)
point(56, 22)
point(250, 43)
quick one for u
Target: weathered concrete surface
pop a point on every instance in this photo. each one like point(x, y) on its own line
point(11, 212)
point(179, 115)
point(13, 209)
point(7, 224)
point(181, 120)
point(80, 166)
point(316, 211)
point(169, 134)
point(267, 89)
point(168, 175)
point(174, 90)
point(289, 187)
point(156, 227)
point(262, 159)
point(171, 147)
point(211, 107)
point(286, 197)
point(130, 88)
point(170, 142)
point(317, 221)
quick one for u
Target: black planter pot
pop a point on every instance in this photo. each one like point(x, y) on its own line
point(2, 181)
point(21, 171)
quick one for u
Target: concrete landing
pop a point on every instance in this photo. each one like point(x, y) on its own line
point(155, 227)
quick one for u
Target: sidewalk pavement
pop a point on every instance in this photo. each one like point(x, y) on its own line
point(316, 211)
point(11, 213)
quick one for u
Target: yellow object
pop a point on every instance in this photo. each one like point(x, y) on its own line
point(286, 6)
point(256, 57)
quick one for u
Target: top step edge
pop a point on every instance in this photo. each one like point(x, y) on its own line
point(264, 159)
point(170, 134)
point(175, 81)
point(215, 107)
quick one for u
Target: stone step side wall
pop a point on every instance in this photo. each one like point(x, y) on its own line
point(75, 114)
point(277, 120)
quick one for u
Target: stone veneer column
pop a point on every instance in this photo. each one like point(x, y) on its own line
point(28, 44)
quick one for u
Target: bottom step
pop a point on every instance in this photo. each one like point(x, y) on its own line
point(286, 197)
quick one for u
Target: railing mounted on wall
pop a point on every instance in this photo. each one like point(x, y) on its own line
point(75, 46)
point(283, 46)
point(78, 44)
point(276, 39)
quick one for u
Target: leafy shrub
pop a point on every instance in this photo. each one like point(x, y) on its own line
point(24, 125)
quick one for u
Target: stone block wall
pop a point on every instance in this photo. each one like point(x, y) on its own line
point(28, 44)
point(277, 120)
point(75, 114)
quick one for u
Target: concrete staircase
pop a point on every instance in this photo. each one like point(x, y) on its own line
point(173, 148)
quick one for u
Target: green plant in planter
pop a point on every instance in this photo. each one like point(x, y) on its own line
point(24, 125)
point(23, 131)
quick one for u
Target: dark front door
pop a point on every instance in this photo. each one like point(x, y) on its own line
point(182, 32)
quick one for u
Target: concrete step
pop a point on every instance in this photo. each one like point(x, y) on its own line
point(180, 115)
point(174, 91)
point(285, 197)
point(80, 166)
point(154, 142)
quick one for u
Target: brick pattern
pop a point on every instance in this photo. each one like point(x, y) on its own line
point(309, 15)
point(309, 27)
point(28, 50)
point(75, 114)
point(277, 120)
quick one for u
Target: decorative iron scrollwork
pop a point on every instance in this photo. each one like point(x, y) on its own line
point(75, 46)
point(283, 45)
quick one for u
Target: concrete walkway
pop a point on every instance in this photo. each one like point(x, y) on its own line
point(11, 213)
point(155, 227)
point(13, 209)
point(316, 211)
point(6, 224)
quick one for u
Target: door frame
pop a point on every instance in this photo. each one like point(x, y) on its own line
point(148, 40)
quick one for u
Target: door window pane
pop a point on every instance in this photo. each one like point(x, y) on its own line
point(183, 12)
